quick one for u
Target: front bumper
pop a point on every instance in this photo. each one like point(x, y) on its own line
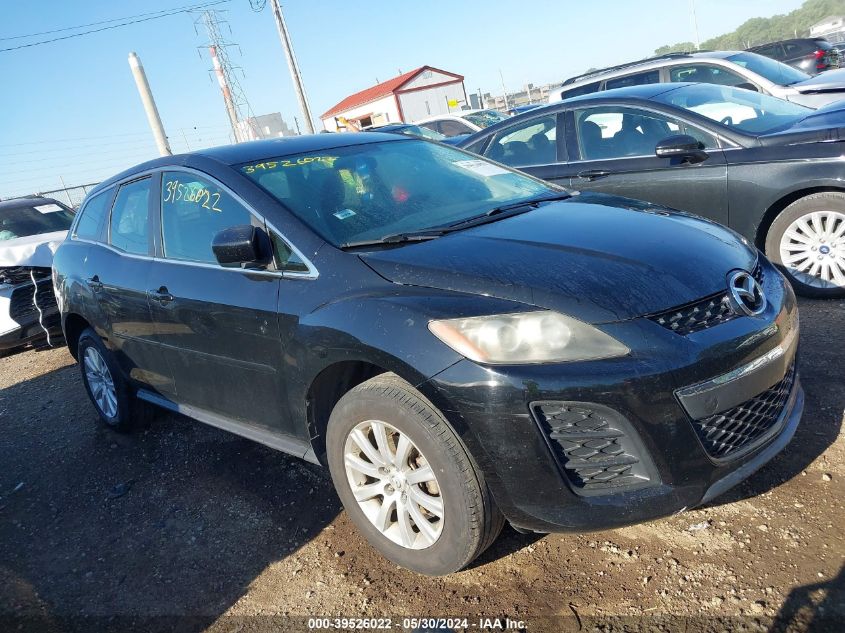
point(20, 319)
point(646, 399)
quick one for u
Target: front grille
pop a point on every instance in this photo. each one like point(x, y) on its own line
point(697, 316)
point(728, 432)
point(704, 313)
point(591, 445)
point(15, 275)
point(22, 308)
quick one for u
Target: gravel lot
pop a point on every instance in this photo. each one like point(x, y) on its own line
point(183, 527)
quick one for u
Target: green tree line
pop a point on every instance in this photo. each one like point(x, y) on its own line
point(758, 31)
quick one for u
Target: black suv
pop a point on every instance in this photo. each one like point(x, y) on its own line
point(461, 344)
point(812, 55)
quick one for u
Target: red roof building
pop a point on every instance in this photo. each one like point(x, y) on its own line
point(414, 95)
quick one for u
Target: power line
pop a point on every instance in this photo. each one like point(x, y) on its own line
point(84, 26)
point(138, 20)
point(93, 138)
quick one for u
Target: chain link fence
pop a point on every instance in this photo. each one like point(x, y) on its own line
point(71, 196)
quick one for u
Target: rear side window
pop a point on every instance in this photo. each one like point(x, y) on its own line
point(453, 128)
point(638, 79)
point(193, 210)
point(91, 216)
point(581, 90)
point(129, 227)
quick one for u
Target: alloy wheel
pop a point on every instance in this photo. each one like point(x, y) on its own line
point(813, 249)
point(100, 382)
point(393, 484)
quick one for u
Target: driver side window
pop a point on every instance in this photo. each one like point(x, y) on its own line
point(193, 210)
point(533, 142)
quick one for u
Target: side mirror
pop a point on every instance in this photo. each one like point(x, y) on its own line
point(681, 146)
point(242, 246)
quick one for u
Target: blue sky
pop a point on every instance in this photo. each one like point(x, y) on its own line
point(70, 110)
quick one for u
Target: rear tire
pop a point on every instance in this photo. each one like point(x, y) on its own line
point(442, 516)
point(109, 391)
point(807, 242)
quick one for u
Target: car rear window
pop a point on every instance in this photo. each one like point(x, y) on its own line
point(33, 219)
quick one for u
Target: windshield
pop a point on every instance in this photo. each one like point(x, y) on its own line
point(485, 118)
point(36, 219)
point(743, 110)
point(424, 132)
point(366, 192)
point(771, 69)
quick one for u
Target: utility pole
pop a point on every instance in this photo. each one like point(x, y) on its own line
point(149, 105)
point(504, 90)
point(695, 24)
point(293, 65)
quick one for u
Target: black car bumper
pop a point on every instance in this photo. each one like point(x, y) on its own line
point(595, 445)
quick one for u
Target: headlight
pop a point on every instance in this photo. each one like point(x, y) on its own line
point(527, 337)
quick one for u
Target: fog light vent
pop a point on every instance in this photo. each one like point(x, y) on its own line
point(594, 447)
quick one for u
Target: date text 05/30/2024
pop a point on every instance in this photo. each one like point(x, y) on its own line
point(437, 624)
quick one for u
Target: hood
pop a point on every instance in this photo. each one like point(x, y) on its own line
point(831, 80)
point(822, 125)
point(595, 257)
point(33, 250)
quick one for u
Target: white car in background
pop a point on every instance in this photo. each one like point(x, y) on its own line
point(463, 122)
point(31, 230)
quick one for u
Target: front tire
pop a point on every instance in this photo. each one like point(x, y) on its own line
point(406, 480)
point(109, 391)
point(807, 242)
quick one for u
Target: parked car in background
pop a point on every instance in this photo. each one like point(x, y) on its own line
point(417, 130)
point(463, 122)
point(739, 69)
point(523, 108)
point(461, 344)
point(770, 169)
point(31, 229)
point(811, 55)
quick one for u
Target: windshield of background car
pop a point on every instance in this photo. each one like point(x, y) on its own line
point(744, 110)
point(485, 118)
point(36, 219)
point(424, 132)
point(773, 70)
point(366, 192)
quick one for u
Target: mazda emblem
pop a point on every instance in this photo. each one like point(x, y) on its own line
point(746, 294)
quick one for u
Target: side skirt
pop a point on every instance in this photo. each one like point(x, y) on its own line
point(283, 443)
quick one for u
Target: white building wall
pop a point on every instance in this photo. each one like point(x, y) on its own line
point(431, 101)
point(829, 25)
point(428, 78)
point(385, 106)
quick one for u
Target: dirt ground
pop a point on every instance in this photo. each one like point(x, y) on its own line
point(183, 527)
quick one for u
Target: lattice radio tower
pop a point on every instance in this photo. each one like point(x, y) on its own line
point(241, 116)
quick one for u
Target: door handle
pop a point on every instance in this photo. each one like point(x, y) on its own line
point(94, 283)
point(593, 174)
point(162, 295)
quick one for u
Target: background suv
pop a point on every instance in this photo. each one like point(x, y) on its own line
point(812, 55)
point(739, 69)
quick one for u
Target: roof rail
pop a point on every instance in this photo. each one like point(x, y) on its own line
point(601, 71)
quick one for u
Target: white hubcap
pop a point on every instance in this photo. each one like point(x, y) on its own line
point(100, 383)
point(813, 249)
point(393, 484)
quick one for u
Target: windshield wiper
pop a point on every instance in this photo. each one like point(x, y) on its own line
point(433, 233)
point(399, 238)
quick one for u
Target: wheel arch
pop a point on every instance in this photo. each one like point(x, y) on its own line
point(74, 325)
point(779, 205)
